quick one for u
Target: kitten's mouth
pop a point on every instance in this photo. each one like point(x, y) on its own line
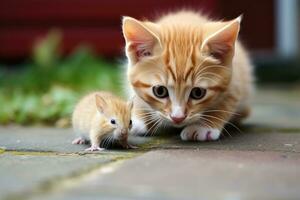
point(170, 122)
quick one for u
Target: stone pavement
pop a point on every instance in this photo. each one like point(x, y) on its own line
point(260, 161)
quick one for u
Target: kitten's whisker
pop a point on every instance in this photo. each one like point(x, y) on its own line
point(146, 118)
point(223, 128)
point(150, 122)
point(225, 111)
point(159, 125)
point(205, 123)
point(153, 120)
point(153, 126)
point(145, 115)
point(146, 122)
point(156, 128)
point(226, 122)
point(144, 110)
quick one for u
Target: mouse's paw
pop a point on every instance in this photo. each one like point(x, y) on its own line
point(79, 141)
point(199, 133)
point(130, 146)
point(94, 148)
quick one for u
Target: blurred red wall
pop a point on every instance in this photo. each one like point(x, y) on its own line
point(97, 23)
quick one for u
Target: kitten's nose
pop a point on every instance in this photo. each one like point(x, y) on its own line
point(178, 114)
point(178, 120)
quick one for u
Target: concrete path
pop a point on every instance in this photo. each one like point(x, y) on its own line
point(260, 161)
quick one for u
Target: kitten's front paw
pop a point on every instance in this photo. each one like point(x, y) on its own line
point(199, 133)
point(94, 148)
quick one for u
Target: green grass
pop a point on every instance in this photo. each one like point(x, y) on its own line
point(46, 89)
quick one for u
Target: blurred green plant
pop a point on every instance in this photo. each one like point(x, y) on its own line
point(46, 89)
point(46, 50)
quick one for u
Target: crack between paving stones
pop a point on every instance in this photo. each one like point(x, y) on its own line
point(55, 153)
point(60, 183)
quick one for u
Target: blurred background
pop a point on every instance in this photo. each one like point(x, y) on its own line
point(54, 51)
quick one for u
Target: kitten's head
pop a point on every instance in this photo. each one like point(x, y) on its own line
point(180, 71)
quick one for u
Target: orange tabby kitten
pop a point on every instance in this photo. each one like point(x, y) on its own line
point(187, 71)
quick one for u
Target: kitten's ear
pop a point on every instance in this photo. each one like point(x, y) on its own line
point(219, 38)
point(140, 37)
point(100, 103)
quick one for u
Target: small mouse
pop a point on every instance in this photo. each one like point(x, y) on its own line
point(102, 116)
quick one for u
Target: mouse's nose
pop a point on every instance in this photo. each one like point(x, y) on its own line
point(124, 132)
point(178, 120)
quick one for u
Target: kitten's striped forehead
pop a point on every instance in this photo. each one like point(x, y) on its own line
point(180, 51)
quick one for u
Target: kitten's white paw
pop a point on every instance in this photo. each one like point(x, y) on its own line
point(199, 133)
point(138, 127)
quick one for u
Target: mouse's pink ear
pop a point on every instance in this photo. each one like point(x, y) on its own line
point(100, 103)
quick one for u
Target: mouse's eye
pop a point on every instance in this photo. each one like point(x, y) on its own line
point(112, 121)
point(130, 122)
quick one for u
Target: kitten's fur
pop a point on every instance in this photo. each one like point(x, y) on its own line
point(181, 51)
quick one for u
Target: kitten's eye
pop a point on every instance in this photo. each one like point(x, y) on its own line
point(112, 121)
point(130, 122)
point(160, 91)
point(197, 93)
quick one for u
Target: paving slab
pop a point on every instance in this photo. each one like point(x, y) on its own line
point(37, 139)
point(194, 174)
point(45, 139)
point(259, 160)
point(247, 141)
point(20, 172)
point(59, 140)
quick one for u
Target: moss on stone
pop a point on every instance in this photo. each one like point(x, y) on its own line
point(2, 151)
point(155, 143)
point(32, 153)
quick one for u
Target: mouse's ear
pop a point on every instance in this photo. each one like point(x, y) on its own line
point(130, 103)
point(100, 103)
